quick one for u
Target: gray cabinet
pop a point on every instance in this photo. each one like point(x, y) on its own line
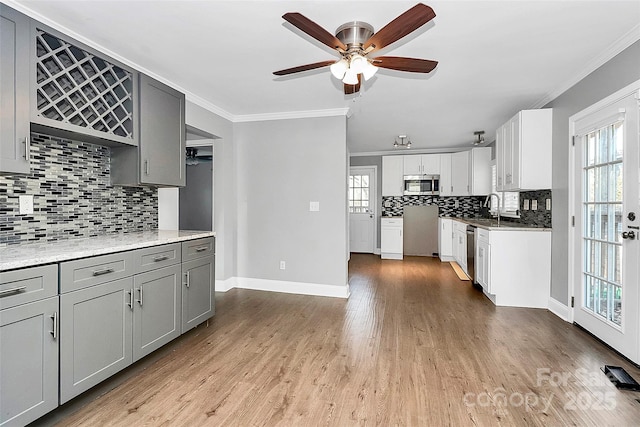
point(28, 344)
point(198, 290)
point(159, 159)
point(14, 91)
point(95, 335)
point(80, 91)
point(156, 315)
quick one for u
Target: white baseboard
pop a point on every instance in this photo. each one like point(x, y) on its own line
point(225, 285)
point(559, 309)
point(283, 286)
point(445, 258)
point(376, 251)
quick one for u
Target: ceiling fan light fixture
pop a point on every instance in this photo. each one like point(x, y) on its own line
point(369, 70)
point(339, 68)
point(358, 63)
point(350, 77)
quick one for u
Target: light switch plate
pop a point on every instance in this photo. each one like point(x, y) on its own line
point(525, 205)
point(534, 205)
point(314, 206)
point(26, 205)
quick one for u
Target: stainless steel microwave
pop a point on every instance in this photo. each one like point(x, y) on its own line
point(421, 185)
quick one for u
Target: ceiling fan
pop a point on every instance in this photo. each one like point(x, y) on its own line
point(355, 41)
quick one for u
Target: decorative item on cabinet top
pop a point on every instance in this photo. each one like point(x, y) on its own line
point(79, 90)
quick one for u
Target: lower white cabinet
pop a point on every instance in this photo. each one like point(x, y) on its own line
point(28, 344)
point(483, 259)
point(445, 239)
point(516, 267)
point(460, 244)
point(391, 238)
point(95, 335)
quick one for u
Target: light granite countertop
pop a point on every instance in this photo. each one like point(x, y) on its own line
point(492, 224)
point(39, 253)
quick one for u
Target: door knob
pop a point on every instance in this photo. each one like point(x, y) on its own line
point(631, 216)
point(629, 235)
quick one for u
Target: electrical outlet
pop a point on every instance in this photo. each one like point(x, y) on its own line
point(525, 205)
point(548, 201)
point(282, 265)
point(456, 204)
point(26, 205)
point(314, 206)
point(534, 205)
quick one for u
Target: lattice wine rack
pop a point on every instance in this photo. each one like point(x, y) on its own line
point(76, 87)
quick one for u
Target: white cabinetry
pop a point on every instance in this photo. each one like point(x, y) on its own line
point(460, 244)
point(445, 239)
point(446, 188)
point(480, 171)
point(391, 243)
point(523, 151)
point(392, 175)
point(514, 267)
point(422, 164)
point(460, 174)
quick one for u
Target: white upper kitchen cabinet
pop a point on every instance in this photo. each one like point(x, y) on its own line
point(523, 151)
point(392, 175)
point(460, 174)
point(445, 175)
point(422, 164)
point(480, 171)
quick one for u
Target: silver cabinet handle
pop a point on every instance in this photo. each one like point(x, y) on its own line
point(186, 278)
point(146, 167)
point(7, 292)
point(140, 292)
point(130, 303)
point(103, 271)
point(27, 148)
point(201, 248)
point(160, 258)
point(54, 332)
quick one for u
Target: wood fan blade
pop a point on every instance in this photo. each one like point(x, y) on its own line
point(401, 63)
point(351, 89)
point(314, 30)
point(304, 68)
point(404, 24)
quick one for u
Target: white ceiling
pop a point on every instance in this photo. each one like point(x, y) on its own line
point(495, 57)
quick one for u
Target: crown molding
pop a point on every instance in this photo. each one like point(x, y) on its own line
point(291, 115)
point(615, 48)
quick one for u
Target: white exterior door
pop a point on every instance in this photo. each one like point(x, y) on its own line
point(606, 249)
point(362, 209)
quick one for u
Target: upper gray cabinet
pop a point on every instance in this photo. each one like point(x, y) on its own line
point(78, 90)
point(14, 90)
point(159, 158)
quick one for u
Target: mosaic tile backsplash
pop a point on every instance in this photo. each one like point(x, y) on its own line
point(473, 207)
point(72, 196)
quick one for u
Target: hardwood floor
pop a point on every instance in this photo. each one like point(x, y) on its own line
point(413, 345)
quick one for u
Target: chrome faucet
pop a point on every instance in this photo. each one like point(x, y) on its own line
point(486, 203)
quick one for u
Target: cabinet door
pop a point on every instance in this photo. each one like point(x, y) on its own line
point(445, 239)
point(483, 265)
point(162, 134)
point(500, 158)
point(198, 298)
point(446, 187)
point(480, 169)
point(515, 152)
point(29, 355)
point(460, 173)
point(156, 314)
point(95, 335)
point(392, 175)
point(508, 156)
point(431, 164)
point(412, 164)
point(14, 91)
point(391, 240)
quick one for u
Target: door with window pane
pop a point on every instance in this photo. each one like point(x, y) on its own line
point(607, 248)
point(362, 199)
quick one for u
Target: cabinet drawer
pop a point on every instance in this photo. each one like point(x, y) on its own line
point(148, 259)
point(482, 234)
point(391, 222)
point(87, 272)
point(27, 285)
point(199, 248)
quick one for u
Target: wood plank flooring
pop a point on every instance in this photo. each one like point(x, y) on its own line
point(412, 346)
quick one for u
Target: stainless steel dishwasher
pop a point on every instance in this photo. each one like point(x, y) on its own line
point(471, 253)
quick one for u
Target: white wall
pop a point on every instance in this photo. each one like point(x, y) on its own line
point(283, 165)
